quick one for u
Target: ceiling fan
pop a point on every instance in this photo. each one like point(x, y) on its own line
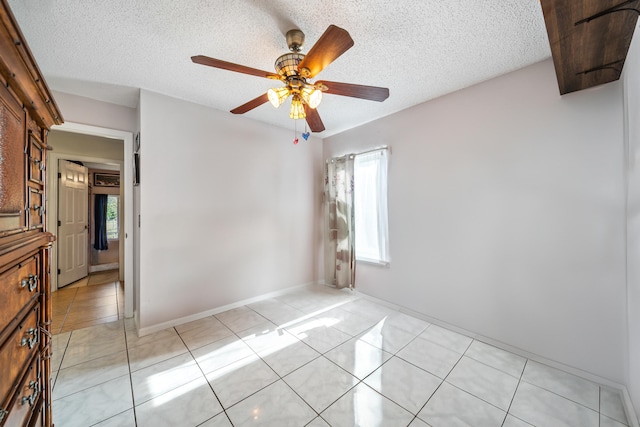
point(294, 69)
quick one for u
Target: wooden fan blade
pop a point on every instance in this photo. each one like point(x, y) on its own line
point(372, 93)
point(313, 119)
point(218, 63)
point(334, 42)
point(251, 104)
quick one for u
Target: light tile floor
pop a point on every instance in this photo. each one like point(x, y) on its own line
point(313, 357)
point(92, 300)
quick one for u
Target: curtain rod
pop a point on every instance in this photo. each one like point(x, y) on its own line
point(386, 147)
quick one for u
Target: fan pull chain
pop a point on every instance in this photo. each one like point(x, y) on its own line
point(306, 133)
point(295, 131)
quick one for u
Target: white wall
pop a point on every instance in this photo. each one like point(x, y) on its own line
point(506, 207)
point(632, 110)
point(229, 209)
point(78, 109)
point(89, 116)
point(85, 145)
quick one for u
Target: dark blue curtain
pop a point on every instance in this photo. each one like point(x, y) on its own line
point(100, 217)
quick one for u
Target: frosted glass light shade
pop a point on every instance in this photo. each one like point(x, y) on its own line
point(297, 109)
point(311, 96)
point(277, 96)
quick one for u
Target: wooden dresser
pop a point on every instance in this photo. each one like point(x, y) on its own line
point(27, 112)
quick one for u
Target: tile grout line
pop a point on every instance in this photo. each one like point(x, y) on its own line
point(406, 361)
point(563, 396)
point(318, 414)
point(93, 319)
point(359, 381)
point(71, 334)
point(445, 378)
point(66, 314)
point(224, 410)
point(526, 361)
point(362, 381)
point(133, 399)
point(259, 357)
point(496, 368)
point(60, 366)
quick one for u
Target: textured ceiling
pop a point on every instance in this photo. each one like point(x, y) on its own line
point(419, 49)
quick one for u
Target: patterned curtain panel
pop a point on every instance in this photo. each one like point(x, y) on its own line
point(339, 242)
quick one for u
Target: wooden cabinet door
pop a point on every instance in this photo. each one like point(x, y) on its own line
point(12, 163)
point(36, 160)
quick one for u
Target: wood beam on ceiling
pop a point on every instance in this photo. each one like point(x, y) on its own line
point(589, 39)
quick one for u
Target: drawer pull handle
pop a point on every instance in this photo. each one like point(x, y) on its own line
point(35, 386)
point(31, 342)
point(31, 282)
point(39, 209)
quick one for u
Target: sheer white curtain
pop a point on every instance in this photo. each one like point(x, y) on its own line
point(370, 206)
point(339, 243)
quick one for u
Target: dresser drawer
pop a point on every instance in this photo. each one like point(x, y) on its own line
point(27, 398)
point(36, 208)
point(16, 352)
point(18, 287)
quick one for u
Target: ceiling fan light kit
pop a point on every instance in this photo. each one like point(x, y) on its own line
point(278, 95)
point(311, 95)
point(294, 68)
point(287, 67)
point(297, 108)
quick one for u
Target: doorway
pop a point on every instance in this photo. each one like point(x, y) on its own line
point(125, 166)
point(106, 229)
point(90, 211)
point(73, 222)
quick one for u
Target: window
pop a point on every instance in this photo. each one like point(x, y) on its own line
point(113, 221)
point(370, 206)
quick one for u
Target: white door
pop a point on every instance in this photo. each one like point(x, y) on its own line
point(73, 226)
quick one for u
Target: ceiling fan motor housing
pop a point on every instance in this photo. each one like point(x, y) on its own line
point(295, 40)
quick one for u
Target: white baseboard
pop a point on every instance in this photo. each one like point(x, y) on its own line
point(175, 322)
point(628, 408)
point(103, 267)
point(624, 393)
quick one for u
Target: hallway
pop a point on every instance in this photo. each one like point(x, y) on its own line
point(93, 300)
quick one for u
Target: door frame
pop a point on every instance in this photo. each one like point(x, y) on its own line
point(126, 191)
